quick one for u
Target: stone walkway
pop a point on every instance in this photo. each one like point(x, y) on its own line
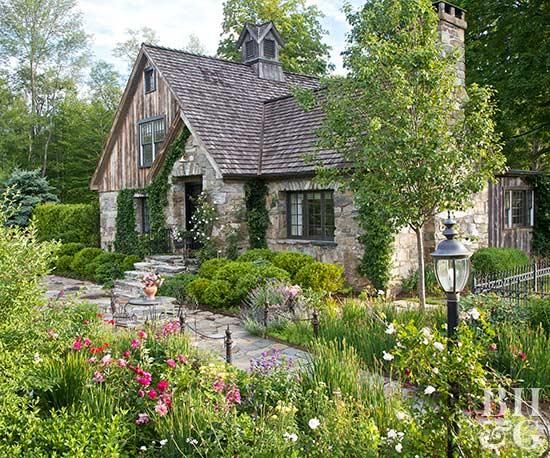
point(245, 345)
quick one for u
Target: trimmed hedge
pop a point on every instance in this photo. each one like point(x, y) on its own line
point(176, 286)
point(321, 277)
point(292, 261)
point(68, 223)
point(491, 260)
point(209, 268)
point(83, 260)
point(257, 254)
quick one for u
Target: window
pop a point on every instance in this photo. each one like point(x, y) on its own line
point(250, 49)
point(311, 215)
point(143, 220)
point(151, 136)
point(269, 49)
point(150, 82)
point(519, 208)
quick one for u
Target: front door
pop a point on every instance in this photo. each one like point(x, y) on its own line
point(192, 191)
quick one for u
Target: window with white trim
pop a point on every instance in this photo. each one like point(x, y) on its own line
point(310, 215)
point(151, 136)
point(519, 208)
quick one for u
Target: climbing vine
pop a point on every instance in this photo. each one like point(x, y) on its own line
point(126, 237)
point(541, 231)
point(257, 215)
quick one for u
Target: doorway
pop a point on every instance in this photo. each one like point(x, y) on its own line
point(192, 192)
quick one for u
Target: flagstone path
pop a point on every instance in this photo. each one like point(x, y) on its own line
point(245, 345)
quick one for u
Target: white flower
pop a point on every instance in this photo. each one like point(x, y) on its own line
point(387, 356)
point(314, 423)
point(429, 390)
point(293, 437)
point(398, 447)
point(474, 314)
point(192, 441)
point(143, 448)
point(427, 332)
point(381, 292)
point(425, 342)
point(439, 346)
point(435, 370)
point(390, 329)
point(163, 442)
point(37, 358)
point(400, 415)
point(391, 434)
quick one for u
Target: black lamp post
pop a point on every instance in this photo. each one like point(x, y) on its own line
point(452, 267)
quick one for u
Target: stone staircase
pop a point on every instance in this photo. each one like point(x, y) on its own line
point(165, 265)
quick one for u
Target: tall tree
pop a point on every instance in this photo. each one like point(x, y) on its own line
point(299, 25)
point(508, 45)
point(104, 84)
point(46, 42)
point(415, 142)
point(129, 48)
point(194, 45)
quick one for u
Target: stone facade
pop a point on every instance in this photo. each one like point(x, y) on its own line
point(344, 250)
point(108, 211)
point(451, 28)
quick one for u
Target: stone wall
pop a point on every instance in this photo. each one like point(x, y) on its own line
point(344, 250)
point(108, 212)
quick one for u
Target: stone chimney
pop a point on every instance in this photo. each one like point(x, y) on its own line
point(260, 46)
point(452, 26)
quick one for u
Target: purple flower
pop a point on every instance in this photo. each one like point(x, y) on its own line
point(233, 395)
point(142, 419)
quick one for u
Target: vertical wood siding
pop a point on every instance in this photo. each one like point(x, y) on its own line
point(122, 170)
point(499, 235)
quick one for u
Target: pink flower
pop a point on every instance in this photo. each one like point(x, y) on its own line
point(122, 362)
point(142, 334)
point(135, 343)
point(98, 377)
point(144, 378)
point(87, 342)
point(142, 419)
point(141, 393)
point(106, 360)
point(162, 385)
point(126, 354)
point(171, 363)
point(493, 347)
point(53, 335)
point(161, 408)
point(152, 394)
point(522, 355)
point(166, 398)
point(233, 395)
point(182, 359)
point(77, 344)
point(92, 360)
point(218, 385)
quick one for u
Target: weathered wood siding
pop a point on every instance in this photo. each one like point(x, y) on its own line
point(499, 235)
point(122, 169)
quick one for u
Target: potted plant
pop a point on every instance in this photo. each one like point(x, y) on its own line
point(151, 283)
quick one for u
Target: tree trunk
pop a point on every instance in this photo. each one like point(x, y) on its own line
point(421, 267)
point(45, 157)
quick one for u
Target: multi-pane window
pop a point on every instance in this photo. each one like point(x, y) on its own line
point(519, 208)
point(150, 82)
point(311, 215)
point(151, 136)
point(143, 219)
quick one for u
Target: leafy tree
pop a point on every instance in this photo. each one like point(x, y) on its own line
point(104, 84)
point(299, 25)
point(45, 41)
point(128, 49)
point(507, 45)
point(415, 142)
point(24, 190)
point(194, 45)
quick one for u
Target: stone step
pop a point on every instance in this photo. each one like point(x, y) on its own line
point(164, 258)
point(132, 287)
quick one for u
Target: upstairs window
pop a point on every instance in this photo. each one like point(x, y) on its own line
point(151, 136)
point(269, 49)
point(150, 81)
point(519, 208)
point(310, 215)
point(250, 49)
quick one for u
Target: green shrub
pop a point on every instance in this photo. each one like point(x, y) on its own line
point(82, 261)
point(69, 223)
point(321, 277)
point(257, 254)
point(70, 249)
point(129, 261)
point(292, 261)
point(490, 260)
point(538, 312)
point(63, 266)
point(210, 268)
point(176, 286)
point(217, 293)
point(410, 284)
point(196, 289)
point(269, 271)
point(233, 271)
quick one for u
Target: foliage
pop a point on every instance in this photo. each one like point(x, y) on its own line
point(128, 49)
point(76, 223)
point(321, 277)
point(538, 312)
point(196, 288)
point(176, 286)
point(541, 230)
point(257, 254)
point(505, 48)
point(299, 25)
point(209, 269)
point(292, 261)
point(26, 189)
point(203, 220)
point(82, 262)
point(410, 284)
point(69, 249)
point(194, 45)
point(257, 216)
point(126, 237)
point(492, 260)
point(434, 142)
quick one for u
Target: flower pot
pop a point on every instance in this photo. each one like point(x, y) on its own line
point(150, 291)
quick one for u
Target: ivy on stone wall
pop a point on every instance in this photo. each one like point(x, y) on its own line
point(257, 215)
point(541, 231)
point(126, 237)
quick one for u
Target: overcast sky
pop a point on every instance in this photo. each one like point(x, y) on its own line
point(174, 20)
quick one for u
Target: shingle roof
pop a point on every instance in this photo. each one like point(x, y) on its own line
point(224, 103)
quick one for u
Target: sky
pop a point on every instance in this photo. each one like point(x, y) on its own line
point(106, 21)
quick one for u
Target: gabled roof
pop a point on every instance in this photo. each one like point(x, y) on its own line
point(223, 101)
point(258, 32)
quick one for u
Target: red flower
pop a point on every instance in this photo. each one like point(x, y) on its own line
point(171, 363)
point(162, 385)
point(152, 394)
point(522, 356)
point(135, 343)
point(126, 354)
point(182, 359)
point(87, 342)
point(408, 372)
point(77, 344)
point(493, 347)
point(142, 334)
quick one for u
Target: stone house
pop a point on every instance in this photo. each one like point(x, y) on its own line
point(243, 124)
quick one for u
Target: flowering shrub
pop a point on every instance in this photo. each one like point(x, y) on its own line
point(203, 219)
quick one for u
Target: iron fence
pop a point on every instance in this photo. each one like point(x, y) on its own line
point(516, 284)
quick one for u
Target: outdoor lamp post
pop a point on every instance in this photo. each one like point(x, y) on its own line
point(452, 267)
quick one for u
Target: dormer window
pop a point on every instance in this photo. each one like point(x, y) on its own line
point(269, 49)
point(150, 82)
point(250, 49)
point(151, 136)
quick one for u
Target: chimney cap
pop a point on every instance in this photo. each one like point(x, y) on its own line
point(258, 32)
point(450, 13)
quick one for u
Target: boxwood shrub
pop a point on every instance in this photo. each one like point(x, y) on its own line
point(176, 286)
point(208, 269)
point(68, 223)
point(321, 277)
point(292, 261)
point(257, 254)
point(82, 262)
point(196, 289)
point(491, 260)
